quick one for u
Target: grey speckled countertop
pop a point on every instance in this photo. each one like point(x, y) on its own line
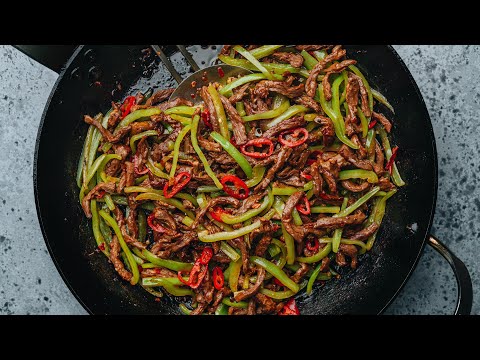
point(448, 78)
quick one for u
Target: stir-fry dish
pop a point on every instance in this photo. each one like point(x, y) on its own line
point(265, 190)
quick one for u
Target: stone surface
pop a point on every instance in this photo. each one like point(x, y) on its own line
point(447, 76)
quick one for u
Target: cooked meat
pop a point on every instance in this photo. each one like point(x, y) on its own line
point(96, 192)
point(289, 124)
point(239, 94)
point(265, 304)
point(308, 102)
point(207, 99)
point(365, 233)
point(382, 120)
point(174, 103)
point(141, 126)
point(115, 259)
point(313, 47)
point(239, 132)
point(355, 188)
point(226, 49)
point(282, 157)
point(262, 245)
point(245, 294)
point(159, 96)
point(168, 222)
point(334, 69)
point(328, 130)
point(378, 165)
point(311, 84)
point(350, 251)
point(263, 88)
point(298, 276)
point(211, 204)
point(331, 223)
point(296, 60)
point(107, 135)
point(363, 94)
point(297, 232)
point(348, 154)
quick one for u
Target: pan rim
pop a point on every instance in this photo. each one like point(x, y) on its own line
point(91, 312)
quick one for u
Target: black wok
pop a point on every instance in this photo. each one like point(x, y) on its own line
point(95, 75)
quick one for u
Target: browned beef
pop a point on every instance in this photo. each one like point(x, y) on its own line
point(107, 135)
point(382, 120)
point(328, 130)
point(300, 273)
point(159, 96)
point(174, 103)
point(115, 259)
point(207, 99)
point(365, 233)
point(331, 223)
point(245, 294)
point(108, 187)
point(239, 94)
point(289, 124)
point(313, 47)
point(296, 60)
point(224, 200)
point(263, 88)
point(280, 160)
point(354, 187)
point(238, 127)
point(350, 156)
point(335, 68)
point(311, 84)
point(308, 102)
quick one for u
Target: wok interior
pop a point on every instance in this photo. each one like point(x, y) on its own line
point(91, 81)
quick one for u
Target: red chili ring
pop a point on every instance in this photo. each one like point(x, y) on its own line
point(218, 278)
point(295, 133)
point(258, 143)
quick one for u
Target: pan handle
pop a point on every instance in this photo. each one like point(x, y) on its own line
point(52, 56)
point(465, 292)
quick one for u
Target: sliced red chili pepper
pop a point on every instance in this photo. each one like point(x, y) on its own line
point(278, 282)
point(313, 245)
point(392, 160)
point(261, 144)
point(306, 176)
point(221, 72)
point(102, 246)
point(305, 209)
point(155, 227)
point(372, 124)
point(239, 191)
point(206, 119)
point(127, 105)
point(218, 278)
point(137, 167)
point(233, 141)
point(206, 256)
point(100, 194)
point(180, 181)
point(217, 212)
point(298, 137)
point(290, 308)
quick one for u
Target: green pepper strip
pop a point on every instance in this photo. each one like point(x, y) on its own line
point(100, 163)
point(85, 166)
point(232, 219)
point(264, 51)
point(174, 202)
point(181, 110)
point(176, 149)
point(142, 225)
point(169, 264)
point(181, 119)
point(235, 267)
point(96, 229)
point(139, 189)
point(96, 137)
point(320, 54)
point(370, 139)
point(155, 170)
point(234, 153)
point(281, 295)
point(83, 161)
point(382, 100)
point(206, 189)
point(290, 190)
point(378, 214)
point(337, 234)
point(240, 106)
point(105, 230)
point(336, 101)
point(177, 291)
point(370, 176)
point(336, 122)
point(285, 105)
point(137, 115)
point(105, 161)
point(137, 137)
point(204, 236)
point(282, 260)
point(274, 250)
point(365, 82)
point(278, 69)
point(200, 153)
point(254, 61)
point(239, 305)
point(313, 278)
point(397, 179)
point(227, 90)
point(222, 309)
point(364, 121)
point(325, 210)
point(309, 60)
point(109, 202)
point(220, 110)
point(257, 177)
point(229, 251)
point(160, 281)
point(317, 257)
point(290, 245)
point(358, 243)
point(358, 203)
point(276, 272)
point(183, 308)
point(131, 261)
point(291, 112)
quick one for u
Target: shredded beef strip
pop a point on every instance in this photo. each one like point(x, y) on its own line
point(365, 233)
point(309, 103)
point(304, 268)
point(363, 94)
point(263, 88)
point(348, 154)
point(350, 251)
point(296, 60)
point(211, 204)
point(313, 47)
point(378, 165)
point(266, 305)
point(353, 187)
point(115, 259)
point(239, 94)
point(207, 99)
point(174, 103)
point(330, 223)
point(282, 157)
point(382, 120)
point(245, 294)
point(141, 126)
point(108, 187)
point(334, 69)
point(328, 130)
point(159, 96)
point(107, 135)
point(311, 84)
point(289, 124)
point(238, 126)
